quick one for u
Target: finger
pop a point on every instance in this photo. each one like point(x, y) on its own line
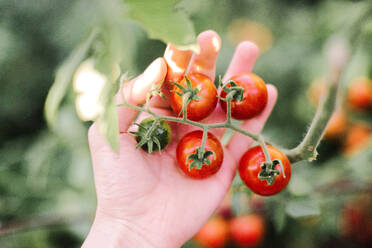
point(239, 142)
point(227, 172)
point(205, 61)
point(177, 61)
point(135, 91)
point(243, 60)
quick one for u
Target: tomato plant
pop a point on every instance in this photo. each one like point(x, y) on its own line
point(153, 135)
point(247, 230)
point(254, 100)
point(202, 96)
point(189, 144)
point(214, 233)
point(250, 168)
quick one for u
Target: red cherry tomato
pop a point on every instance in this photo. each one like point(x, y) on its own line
point(336, 126)
point(254, 97)
point(359, 94)
point(357, 139)
point(188, 145)
point(247, 230)
point(214, 233)
point(250, 167)
point(197, 109)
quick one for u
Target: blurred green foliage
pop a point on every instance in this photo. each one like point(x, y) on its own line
point(46, 172)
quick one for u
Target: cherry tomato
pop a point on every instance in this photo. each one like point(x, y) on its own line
point(250, 167)
point(196, 109)
point(162, 132)
point(359, 94)
point(357, 138)
point(254, 97)
point(336, 126)
point(188, 145)
point(247, 230)
point(214, 233)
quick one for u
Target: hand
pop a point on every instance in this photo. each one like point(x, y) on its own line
point(145, 200)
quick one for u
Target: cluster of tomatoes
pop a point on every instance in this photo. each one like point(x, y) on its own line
point(229, 231)
point(196, 97)
point(353, 135)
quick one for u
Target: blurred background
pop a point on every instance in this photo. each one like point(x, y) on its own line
point(47, 196)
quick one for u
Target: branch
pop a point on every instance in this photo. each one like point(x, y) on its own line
point(338, 56)
point(306, 150)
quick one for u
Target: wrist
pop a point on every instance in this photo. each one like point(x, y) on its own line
point(110, 232)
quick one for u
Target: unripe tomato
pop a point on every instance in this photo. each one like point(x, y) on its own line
point(188, 145)
point(247, 230)
point(359, 94)
point(255, 96)
point(162, 132)
point(214, 233)
point(336, 126)
point(250, 167)
point(357, 138)
point(197, 109)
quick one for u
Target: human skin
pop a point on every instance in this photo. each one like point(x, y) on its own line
point(145, 200)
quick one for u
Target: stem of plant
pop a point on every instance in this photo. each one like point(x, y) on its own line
point(306, 150)
point(204, 141)
point(261, 140)
point(203, 126)
point(185, 102)
point(229, 98)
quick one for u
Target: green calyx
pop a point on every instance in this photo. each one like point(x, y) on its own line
point(188, 94)
point(152, 135)
point(234, 92)
point(193, 92)
point(199, 158)
point(268, 171)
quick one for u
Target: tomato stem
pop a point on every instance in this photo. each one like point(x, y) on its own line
point(261, 140)
point(193, 123)
point(204, 141)
point(185, 102)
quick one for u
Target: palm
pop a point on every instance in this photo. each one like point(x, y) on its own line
point(139, 188)
point(153, 184)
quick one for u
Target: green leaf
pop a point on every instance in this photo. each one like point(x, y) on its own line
point(279, 217)
point(164, 21)
point(63, 78)
point(302, 207)
point(108, 124)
